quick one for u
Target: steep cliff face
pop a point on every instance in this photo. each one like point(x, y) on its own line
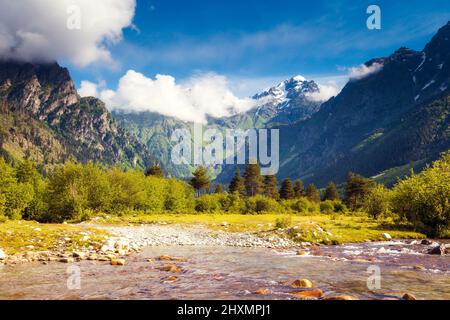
point(65, 126)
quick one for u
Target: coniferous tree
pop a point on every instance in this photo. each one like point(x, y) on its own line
point(237, 184)
point(331, 192)
point(271, 187)
point(219, 189)
point(287, 190)
point(312, 193)
point(299, 189)
point(200, 181)
point(356, 190)
point(254, 184)
point(155, 171)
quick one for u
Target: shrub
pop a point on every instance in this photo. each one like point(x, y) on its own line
point(327, 207)
point(378, 202)
point(339, 206)
point(233, 203)
point(283, 223)
point(303, 205)
point(209, 203)
point(179, 196)
point(15, 196)
point(260, 204)
point(424, 199)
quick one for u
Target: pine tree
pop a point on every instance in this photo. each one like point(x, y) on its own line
point(237, 184)
point(356, 190)
point(271, 187)
point(313, 193)
point(287, 191)
point(299, 189)
point(331, 192)
point(219, 189)
point(155, 171)
point(254, 184)
point(200, 181)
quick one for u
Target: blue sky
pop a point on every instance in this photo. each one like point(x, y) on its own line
point(258, 43)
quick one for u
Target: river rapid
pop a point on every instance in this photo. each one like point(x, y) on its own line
point(221, 272)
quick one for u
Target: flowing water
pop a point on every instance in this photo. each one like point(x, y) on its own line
point(236, 273)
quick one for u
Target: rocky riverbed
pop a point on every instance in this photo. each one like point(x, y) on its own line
point(125, 240)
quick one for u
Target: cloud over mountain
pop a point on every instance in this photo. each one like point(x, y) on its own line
point(195, 99)
point(37, 30)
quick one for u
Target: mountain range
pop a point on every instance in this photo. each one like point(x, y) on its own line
point(44, 119)
point(381, 124)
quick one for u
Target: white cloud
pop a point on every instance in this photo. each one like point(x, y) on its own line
point(199, 96)
point(88, 89)
point(325, 93)
point(36, 30)
point(363, 71)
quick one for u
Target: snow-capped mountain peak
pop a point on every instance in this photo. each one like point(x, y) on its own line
point(291, 98)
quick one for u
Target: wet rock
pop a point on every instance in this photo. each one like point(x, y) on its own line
point(167, 258)
point(301, 283)
point(408, 296)
point(438, 250)
point(79, 254)
point(419, 267)
point(2, 255)
point(387, 236)
point(343, 297)
point(117, 262)
point(309, 294)
point(171, 278)
point(426, 242)
point(67, 260)
point(171, 268)
point(262, 291)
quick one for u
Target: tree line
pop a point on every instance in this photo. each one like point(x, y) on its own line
point(74, 192)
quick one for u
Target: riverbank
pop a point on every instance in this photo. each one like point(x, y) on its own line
point(106, 238)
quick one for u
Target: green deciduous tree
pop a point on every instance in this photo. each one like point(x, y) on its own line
point(424, 198)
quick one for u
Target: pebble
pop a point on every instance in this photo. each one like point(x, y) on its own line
point(171, 268)
point(117, 262)
point(387, 236)
point(301, 283)
point(308, 294)
point(171, 278)
point(408, 296)
point(340, 298)
point(262, 291)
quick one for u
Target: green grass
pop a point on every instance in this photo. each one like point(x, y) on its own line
point(16, 236)
point(343, 229)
